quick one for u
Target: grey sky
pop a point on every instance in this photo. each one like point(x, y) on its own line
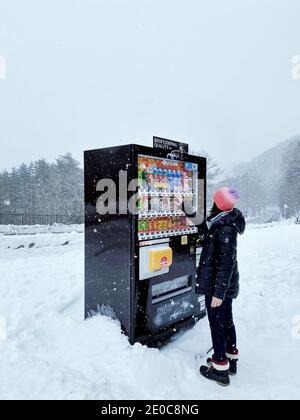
point(91, 73)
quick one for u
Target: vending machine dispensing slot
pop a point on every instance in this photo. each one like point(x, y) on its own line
point(170, 289)
point(141, 265)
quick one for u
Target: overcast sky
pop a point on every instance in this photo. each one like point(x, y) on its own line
point(84, 74)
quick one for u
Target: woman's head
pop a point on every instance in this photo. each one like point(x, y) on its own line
point(226, 198)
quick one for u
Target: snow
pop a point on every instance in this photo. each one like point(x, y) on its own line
point(38, 229)
point(51, 353)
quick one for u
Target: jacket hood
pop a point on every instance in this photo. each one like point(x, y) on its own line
point(233, 218)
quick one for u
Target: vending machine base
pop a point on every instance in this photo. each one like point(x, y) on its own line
point(141, 266)
point(158, 340)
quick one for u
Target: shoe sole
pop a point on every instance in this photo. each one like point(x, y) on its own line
point(217, 382)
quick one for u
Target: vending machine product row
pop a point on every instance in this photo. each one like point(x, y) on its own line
point(142, 247)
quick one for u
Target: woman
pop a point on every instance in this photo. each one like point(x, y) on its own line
point(218, 280)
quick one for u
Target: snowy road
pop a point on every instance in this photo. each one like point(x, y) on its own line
point(268, 217)
point(51, 353)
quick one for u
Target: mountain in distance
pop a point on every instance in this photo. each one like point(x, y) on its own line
point(268, 163)
point(259, 180)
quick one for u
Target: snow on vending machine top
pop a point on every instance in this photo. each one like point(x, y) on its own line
point(142, 249)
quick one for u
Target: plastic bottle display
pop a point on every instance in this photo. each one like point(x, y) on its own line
point(190, 182)
point(145, 204)
point(170, 181)
point(150, 180)
point(179, 185)
point(185, 181)
point(159, 181)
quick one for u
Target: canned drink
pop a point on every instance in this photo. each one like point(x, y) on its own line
point(170, 223)
point(146, 226)
point(141, 226)
point(160, 225)
point(165, 223)
point(155, 225)
point(151, 225)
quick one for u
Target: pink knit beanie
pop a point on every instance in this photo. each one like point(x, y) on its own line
point(225, 198)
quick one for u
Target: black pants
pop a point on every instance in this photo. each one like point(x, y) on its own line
point(222, 327)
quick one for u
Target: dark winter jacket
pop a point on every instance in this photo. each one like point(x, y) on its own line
point(218, 273)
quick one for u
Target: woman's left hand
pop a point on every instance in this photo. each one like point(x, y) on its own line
point(216, 303)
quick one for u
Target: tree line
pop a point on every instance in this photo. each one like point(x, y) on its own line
point(43, 188)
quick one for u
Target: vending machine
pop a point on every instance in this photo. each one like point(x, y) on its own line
point(142, 248)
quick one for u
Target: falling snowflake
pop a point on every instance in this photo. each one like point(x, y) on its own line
point(7, 202)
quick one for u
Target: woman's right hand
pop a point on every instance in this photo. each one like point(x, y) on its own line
point(216, 303)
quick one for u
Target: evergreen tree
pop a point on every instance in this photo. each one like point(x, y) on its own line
point(290, 185)
point(41, 190)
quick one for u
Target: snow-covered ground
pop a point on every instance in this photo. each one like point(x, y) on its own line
point(38, 229)
point(51, 353)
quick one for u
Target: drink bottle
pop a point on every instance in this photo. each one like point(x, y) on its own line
point(151, 226)
point(140, 226)
point(150, 179)
point(145, 204)
point(155, 180)
point(144, 179)
point(174, 181)
point(146, 226)
point(170, 181)
point(185, 182)
point(165, 205)
point(190, 182)
point(161, 180)
point(179, 181)
point(157, 204)
point(166, 223)
point(159, 225)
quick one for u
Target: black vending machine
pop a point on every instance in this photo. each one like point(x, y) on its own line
point(142, 250)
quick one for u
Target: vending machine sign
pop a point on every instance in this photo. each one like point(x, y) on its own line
point(170, 145)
